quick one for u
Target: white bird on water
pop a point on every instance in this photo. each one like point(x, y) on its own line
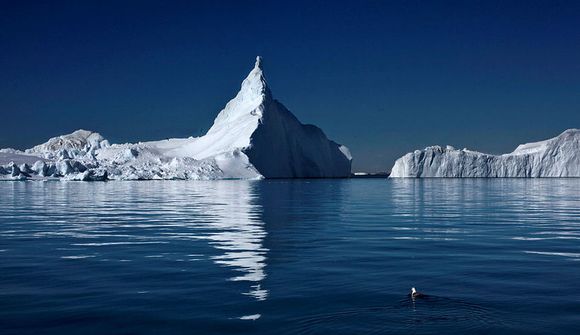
point(416, 294)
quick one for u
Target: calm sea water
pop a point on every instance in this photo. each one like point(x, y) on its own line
point(495, 256)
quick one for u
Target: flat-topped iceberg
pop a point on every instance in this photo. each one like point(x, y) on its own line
point(253, 137)
point(555, 157)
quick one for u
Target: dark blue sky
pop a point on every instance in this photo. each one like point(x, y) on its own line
point(382, 77)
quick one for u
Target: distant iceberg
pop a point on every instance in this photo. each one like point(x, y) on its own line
point(556, 157)
point(253, 137)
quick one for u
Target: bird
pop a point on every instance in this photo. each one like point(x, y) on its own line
point(415, 294)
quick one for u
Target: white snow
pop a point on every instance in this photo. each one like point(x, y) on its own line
point(18, 157)
point(555, 157)
point(253, 137)
point(79, 143)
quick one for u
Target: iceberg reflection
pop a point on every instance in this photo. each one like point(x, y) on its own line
point(153, 221)
point(236, 229)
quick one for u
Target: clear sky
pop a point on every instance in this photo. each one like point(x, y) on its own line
point(382, 77)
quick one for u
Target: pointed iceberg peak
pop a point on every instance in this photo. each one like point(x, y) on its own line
point(258, 62)
point(248, 104)
point(255, 84)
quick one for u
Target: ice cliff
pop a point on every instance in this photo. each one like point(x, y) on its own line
point(253, 137)
point(555, 157)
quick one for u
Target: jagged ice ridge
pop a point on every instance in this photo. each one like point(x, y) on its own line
point(555, 157)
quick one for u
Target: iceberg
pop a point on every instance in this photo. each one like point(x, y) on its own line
point(555, 157)
point(77, 144)
point(253, 137)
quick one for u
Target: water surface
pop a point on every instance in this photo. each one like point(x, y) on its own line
point(494, 256)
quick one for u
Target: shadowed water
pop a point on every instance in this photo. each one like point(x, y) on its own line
point(290, 257)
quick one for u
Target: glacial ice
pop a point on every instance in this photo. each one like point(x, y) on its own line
point(555, 157)
point(253, 137)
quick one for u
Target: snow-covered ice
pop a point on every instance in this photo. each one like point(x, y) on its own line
point(555, 157)
point(77, 144)
point(253, 137)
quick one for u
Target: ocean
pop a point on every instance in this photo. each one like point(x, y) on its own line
point(492, 256)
